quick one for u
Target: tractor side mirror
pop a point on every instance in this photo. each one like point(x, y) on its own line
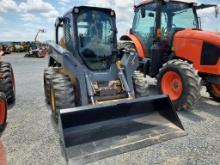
point(143, 14)
point(130, 31)
point(216, 11)
point(151, 15)
point(200, 22)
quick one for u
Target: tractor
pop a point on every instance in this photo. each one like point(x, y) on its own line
point(7, 89)
point(100, 102)
point(172, 47)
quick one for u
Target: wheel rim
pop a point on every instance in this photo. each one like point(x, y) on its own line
point(216, 89)
point(172, 85)
point(2, 111)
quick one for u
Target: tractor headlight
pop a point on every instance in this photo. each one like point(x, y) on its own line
point(76, 10)
point(112, 13)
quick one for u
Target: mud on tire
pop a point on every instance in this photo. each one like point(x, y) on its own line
point(7, 81)
point(191, 83)
point(140, 84)
point(62, 94)
point(48, 75)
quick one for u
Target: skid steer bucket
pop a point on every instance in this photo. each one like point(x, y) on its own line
point(94, 132)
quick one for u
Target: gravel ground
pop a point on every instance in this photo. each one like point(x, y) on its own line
point(31, 136)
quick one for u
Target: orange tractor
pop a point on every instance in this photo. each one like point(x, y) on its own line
point(171, 46)
point(7, 89)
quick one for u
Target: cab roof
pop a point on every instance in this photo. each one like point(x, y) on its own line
point(193, 3)
point(89, 8)
point(150, 1)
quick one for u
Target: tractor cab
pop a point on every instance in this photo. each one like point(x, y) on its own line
point(90, 34)
point(167, 36)
point(161, 19)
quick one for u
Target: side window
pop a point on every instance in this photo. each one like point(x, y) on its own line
point(145, 20)
point(68, 32)
point(164, 24)
point(144, 24)
point(61, 37)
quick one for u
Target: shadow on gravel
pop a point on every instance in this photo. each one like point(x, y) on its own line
point(205, 105)
point(191, 115)
point(56, 128)
point(209, 106)
point(11, 105)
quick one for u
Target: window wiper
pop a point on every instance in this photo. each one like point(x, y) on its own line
point(184, 11)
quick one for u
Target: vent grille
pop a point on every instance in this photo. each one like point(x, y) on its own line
point(210, 54)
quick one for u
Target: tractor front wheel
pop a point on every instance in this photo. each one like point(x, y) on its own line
point(214, 91)
point(179, 80)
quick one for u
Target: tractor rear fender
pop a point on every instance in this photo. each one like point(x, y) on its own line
point(139, 47)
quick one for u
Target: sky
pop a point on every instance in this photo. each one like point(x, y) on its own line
point(21, 19)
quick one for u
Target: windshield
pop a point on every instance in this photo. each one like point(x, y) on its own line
point(178, 15)
point(96, 39)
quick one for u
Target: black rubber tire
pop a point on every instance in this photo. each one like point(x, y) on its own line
point(140, 84)
point(7, 83)
point(215, 96)
point(3, 99)
point(190, 80)
point(48, 75)
point(62, 94)
point(127, 46)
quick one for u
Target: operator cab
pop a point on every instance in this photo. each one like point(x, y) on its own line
point(161, 19)
point(90, 34)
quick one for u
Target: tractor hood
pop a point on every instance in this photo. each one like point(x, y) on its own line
point(201, 48)
point(210, 37)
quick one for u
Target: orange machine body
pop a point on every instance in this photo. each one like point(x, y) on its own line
point(199, 47)
point(138, 45)
point(188, 45)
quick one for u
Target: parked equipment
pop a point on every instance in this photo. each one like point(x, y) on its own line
point(94, 96)
point(7, 89)
point(7, 81)
point(18, 47)
point(168, 39)
point(6, 49)
point(37, 49)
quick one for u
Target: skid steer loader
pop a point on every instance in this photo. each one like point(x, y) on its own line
point(98, 101)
